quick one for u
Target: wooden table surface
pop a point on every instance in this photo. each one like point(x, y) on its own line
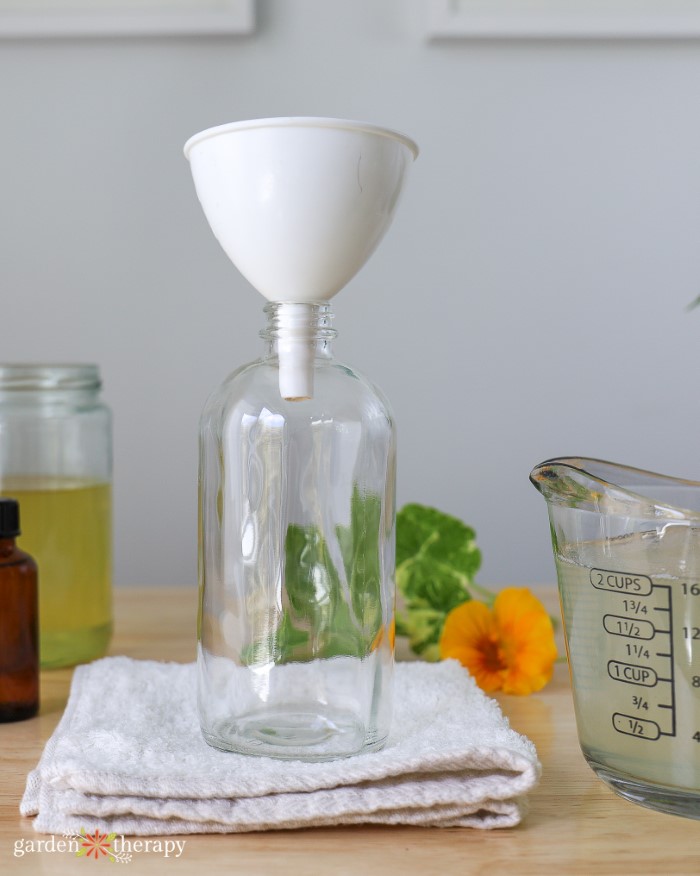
point(575, 824)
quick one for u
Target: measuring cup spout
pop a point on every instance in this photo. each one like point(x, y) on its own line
point(611, 489)
point(563, 480)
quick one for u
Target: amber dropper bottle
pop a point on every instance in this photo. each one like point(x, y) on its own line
point(19, 628)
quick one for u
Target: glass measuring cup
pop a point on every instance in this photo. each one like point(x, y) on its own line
point(627, 550)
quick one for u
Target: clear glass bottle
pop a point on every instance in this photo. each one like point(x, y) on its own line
point(297, 547)
point(56, 460)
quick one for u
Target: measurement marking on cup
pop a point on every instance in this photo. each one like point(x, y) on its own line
point(618, 625)
point(629, 673)
point(616, 582)
point(638, 727)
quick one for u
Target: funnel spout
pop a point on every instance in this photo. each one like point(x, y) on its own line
point(296, 369)
point(296, 347)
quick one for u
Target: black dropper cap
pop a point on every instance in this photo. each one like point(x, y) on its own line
point(9, 518)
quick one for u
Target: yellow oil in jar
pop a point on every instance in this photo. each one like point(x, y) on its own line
point(66, 526)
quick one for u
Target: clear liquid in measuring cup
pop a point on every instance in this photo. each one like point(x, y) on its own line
point(631, 609)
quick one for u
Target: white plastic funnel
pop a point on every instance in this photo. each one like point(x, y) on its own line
point(299, 204)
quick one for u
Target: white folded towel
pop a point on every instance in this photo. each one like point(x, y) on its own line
point(128, 756)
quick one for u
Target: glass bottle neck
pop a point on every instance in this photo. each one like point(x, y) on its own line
point(298, 334)
point(7, 546)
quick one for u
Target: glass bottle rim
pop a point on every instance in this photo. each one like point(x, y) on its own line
point(34, 376)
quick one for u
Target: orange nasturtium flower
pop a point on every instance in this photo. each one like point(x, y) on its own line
point(509, 648)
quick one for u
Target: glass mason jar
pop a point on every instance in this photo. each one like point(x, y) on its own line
point(297, 555)
point(56, 460)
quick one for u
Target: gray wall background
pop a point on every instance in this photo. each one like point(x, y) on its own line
point(529, 300)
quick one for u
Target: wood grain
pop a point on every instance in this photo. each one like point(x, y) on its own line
point(575, 827)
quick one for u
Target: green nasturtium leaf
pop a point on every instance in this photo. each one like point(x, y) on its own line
point(311, 579)
point(421, 529)
point(360, 546)
point(436, 561)
point(422, 626)
point(329, 612)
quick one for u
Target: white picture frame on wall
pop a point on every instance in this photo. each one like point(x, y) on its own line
point(574, 19)
point(88, 18)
